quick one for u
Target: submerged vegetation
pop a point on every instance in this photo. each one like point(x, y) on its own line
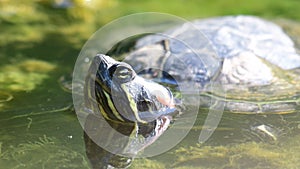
point(254, 155)
point(244, 155)
point(24, 75)
point(44, 153)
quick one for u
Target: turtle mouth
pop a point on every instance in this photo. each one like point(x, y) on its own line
point(155, 99)
point(162, 124)
point(155, 102)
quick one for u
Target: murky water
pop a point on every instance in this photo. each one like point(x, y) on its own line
point(49, 136)
point(39, 128)
point(235, 144)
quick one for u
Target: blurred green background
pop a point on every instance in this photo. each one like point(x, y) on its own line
point(75, 20)
point(64, 25)
point(39, 43)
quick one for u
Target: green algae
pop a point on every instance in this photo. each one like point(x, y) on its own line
point(244, 155)
point(146, 163)
point(44, 153)
point(25, 75)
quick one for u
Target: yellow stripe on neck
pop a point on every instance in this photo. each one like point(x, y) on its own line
point(112, 107)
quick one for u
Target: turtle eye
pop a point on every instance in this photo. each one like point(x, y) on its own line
point(122, 73)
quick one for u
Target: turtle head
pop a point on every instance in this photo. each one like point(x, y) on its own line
point(121, 95)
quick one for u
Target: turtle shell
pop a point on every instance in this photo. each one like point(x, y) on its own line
point(256, 61)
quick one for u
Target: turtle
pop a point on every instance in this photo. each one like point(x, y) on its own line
point(254, 60)
point(146, 109)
